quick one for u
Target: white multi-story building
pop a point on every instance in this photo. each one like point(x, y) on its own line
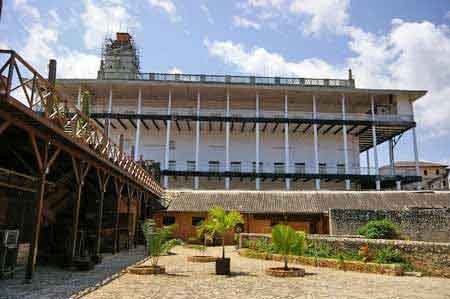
point(248, 132)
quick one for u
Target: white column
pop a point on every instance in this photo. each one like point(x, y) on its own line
point(227, 142)
point(137, 144)
point(398, 185)
point(375, 147)
point(108, 126)
point(79, 98)
point(167, 147)
point(316, 143)
point(391, 156)
point(286, 143)
point(344, 134)
point(258, 182)
point(368, 161)
point(197, 142)
point(416, 157)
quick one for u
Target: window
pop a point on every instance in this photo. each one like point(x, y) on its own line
point(172, 145)
point(444, 184)
point(172, 165)
point(425, 172)
point(323, 168)
point(197, 220)
point(300, 168)
point(168, 220)
point(254, 166)
point(214, 166)
point(437, 171)
point(278, 167)
point(235, 166)
point(190, 165)
point(340, 169)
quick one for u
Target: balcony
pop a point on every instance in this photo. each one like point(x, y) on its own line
point(295, 169)
point(251, 113)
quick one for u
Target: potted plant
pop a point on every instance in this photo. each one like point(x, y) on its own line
point(202, 233)
point(158, 243)
point(219, 223)
point(286, 240)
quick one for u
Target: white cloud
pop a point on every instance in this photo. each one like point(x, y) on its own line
point(260, 61)
point(207, 13)
point(74, 64)
point(167, 6)
point(265, 3)
point(175, 70)
point(324, 16)
point(245, 23)
point(102, 17)
point(26, 9)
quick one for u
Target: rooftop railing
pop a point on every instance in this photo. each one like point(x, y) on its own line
point(227, 79)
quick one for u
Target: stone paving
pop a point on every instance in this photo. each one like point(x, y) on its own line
point(52, 282)
point(193, 280)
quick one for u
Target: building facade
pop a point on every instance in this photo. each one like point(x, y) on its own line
point(248, 132)
point(435, 176)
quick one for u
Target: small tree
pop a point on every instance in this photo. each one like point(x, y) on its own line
point(286, 240)
point(220, 222)
point(158, 240)
point(379, 229)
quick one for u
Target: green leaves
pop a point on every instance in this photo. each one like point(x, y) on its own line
point(158, 239)
point(287, 241)
point(379, 229)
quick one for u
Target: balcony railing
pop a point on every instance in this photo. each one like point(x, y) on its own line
point(252, 113)
point(247, 80)
point(277, 168)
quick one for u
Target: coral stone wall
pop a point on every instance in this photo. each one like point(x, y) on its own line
point(415, 224)
point(431, 258)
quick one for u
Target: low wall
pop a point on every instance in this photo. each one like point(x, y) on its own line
point(415, 224)
point(430, 258)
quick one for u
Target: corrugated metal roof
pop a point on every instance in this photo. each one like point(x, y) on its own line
point(413, 164)
point(303, 201)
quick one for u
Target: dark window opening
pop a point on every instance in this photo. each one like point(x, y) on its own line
point(168, 220)
point(197, 220)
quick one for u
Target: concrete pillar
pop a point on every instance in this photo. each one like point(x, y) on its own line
point(227, 142)
point(368, 161)
point(316, 144)
point(286, 143)
point(375, 147)
point(257, 144)
point(137, 144)
point(79, 98)
point(344, 135)
point(416, 157)
point(167, 146)
point(108, 125)
point(398, 185)
point(197, 142)
point(391, 157)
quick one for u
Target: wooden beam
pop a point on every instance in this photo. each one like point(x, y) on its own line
point(37, 152)
point(307, 128)
point(132, 123)
point(122, 124)
point(275, 128)
point(144, 123)
point(155, 124)
point(351, 129)
point(328, 129)
point(178, 125)
point(188, 125)
point(296, 128)
point(243, 127)
point(338, 130)
point(265, 126)
point(5, 126)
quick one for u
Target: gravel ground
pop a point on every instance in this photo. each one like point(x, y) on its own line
point(193, 280)
point(51, 282)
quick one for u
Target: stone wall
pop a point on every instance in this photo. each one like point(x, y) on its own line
point(415, 224)
point(429, 258)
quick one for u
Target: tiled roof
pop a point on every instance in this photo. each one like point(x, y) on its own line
point(303, 201)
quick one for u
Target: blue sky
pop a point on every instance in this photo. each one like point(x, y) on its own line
point(388, 44)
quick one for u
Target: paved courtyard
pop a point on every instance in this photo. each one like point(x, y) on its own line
point(57, 283)
point(193, 280)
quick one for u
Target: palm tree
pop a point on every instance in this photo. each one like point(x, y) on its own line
point(285, 239)
point(220, 222)
point(158, 240)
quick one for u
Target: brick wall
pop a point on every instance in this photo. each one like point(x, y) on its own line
point(431, 258)
point(415, 224)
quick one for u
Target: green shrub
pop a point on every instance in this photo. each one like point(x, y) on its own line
point(298, 247)
point(388, 255)
point(262, 245)
point(379, 229)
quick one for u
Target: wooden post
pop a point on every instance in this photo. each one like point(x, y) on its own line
point(44, 165)
point(119, 187)
point(80, 171)
point(102, 184)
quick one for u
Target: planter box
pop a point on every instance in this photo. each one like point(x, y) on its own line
point(357, 266)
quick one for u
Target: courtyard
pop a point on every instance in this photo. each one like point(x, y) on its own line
point(197, 280)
